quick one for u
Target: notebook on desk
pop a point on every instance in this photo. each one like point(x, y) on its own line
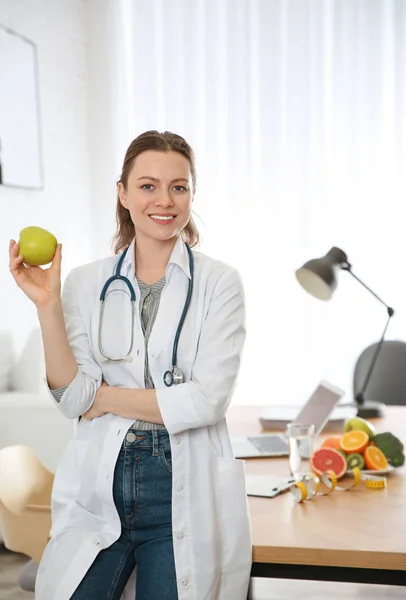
point(317, 411)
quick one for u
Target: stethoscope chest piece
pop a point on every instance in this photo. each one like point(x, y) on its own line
point(173, 377)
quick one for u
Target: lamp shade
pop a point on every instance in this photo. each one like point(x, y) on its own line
point(319, 276)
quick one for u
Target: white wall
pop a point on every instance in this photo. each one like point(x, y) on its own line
point(59, 29)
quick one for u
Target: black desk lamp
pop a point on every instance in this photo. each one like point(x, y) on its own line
point(319, 278)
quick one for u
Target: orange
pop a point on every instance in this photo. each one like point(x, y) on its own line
point(354, 441)
point(332, 442)
point(375, 458)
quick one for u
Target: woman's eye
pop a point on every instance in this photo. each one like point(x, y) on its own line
point(147, 186)
point(180, 188)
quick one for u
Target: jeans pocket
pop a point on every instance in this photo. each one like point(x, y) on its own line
point(165, 456)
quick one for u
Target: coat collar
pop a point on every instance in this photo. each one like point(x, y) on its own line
point(178, 257)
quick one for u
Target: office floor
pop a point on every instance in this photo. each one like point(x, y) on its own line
point(10, 565)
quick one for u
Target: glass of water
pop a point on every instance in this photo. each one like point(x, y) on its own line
point(300, 439)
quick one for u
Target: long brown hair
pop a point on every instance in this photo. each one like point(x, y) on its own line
point(161, 142)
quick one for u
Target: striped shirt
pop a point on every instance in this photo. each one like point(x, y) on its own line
point(149, 304)
point(150, 296)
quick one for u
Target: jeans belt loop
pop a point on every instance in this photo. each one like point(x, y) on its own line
point(155, 442)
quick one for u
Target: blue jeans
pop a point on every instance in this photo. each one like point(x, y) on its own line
point(143, 496)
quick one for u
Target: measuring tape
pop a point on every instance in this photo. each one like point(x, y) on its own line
point(311, 484)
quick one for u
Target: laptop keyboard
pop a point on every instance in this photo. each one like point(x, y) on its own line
point(272, 443)
point(275, 444)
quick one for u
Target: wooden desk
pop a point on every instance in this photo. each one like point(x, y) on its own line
point(355, 536)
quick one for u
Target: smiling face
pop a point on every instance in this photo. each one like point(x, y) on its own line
point(159, 194)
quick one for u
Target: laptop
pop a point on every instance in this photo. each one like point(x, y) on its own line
point(316, 411)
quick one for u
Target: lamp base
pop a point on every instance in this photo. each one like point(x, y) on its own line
point(371, 410)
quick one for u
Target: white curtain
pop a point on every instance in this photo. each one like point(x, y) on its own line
point(297, 113)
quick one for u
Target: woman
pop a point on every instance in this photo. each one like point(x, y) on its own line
point(148, 500)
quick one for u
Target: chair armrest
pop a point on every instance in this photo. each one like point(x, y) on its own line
point(38, 508)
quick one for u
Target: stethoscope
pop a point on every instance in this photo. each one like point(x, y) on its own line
point(174, 376)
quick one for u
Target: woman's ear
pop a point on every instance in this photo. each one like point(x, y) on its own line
point(122, 195)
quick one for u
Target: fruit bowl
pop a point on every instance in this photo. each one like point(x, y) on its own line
point(359, 446)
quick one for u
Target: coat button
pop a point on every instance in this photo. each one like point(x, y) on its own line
point(180, 535)
point(177, 441)
point(155, 356)
point(180, 487)
point(184, 581)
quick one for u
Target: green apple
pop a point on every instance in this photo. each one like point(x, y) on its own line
point(359, 424)
point(37, 246)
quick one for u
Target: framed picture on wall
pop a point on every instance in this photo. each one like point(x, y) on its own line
point(20, 147)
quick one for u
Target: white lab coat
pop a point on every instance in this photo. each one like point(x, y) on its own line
point(210, 519)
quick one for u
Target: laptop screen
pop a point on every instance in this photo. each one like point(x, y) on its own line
point(320, 405)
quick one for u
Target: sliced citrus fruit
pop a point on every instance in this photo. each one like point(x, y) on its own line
point(328, 459)
point(331, 442)
point(375, 458)
point(354, 441)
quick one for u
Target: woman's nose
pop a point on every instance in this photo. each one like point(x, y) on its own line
point(165, 198)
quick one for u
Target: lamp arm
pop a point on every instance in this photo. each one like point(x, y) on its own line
point(360, 396)
point(347, 267)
